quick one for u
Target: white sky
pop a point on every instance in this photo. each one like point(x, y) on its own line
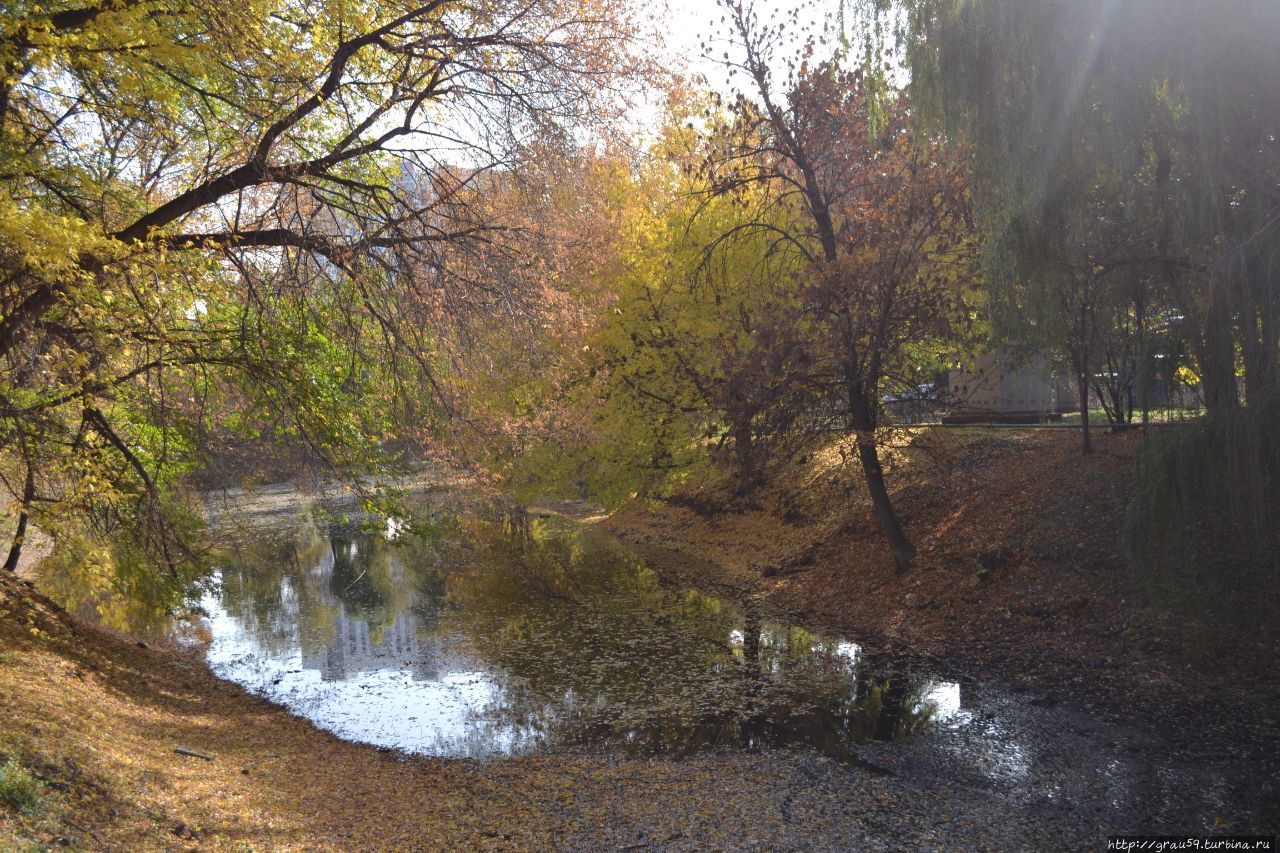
point(687, 24)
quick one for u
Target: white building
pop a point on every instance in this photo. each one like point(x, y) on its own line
point(998, 387)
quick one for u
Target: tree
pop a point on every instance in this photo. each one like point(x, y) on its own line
point(702, 342)
point(253, 214)
point(661, 343)
point(1127, 161)
point(1149, 130)
point(878, 216)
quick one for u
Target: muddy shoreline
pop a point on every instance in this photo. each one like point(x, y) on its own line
point(1026, 583)
point(98, 718)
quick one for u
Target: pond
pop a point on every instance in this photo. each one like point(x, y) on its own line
point(482, 632)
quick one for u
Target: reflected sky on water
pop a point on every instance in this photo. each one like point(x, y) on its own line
point(502, 633)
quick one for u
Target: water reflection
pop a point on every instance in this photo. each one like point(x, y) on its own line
point(496, 634)
point(354, 651)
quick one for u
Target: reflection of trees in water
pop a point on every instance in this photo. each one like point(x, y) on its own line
point(801, 689)
point(292, 587)
point(582, 643)
point(356, 648)
point(637, 666)
point(264, 584)
point(751, 641)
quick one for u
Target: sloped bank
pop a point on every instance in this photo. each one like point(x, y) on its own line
point(1019, 575)
point(98, 719)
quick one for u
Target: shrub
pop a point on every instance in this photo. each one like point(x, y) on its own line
point(19, 790)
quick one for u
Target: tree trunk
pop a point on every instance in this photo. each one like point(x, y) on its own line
point(904, 553)
point(1217, 354)
point(1080, 355)
point(1082, 382)
point(1259, 357)
point(28, 495)
point(863, 416)
point(1110, 410)
point(1143, 365)
point(744, 454)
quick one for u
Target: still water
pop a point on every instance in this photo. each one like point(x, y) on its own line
point(494, 633)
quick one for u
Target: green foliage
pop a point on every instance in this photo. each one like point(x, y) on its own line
point(729, 332)
point(687, 348)
point(19, 789)
point(231, 223)
point(692, 348)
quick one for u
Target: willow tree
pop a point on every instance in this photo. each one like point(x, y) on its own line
point(265, 213)
point(1139, 139)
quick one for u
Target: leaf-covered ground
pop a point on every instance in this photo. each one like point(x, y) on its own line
point(1019, 575)
point(97, 718)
